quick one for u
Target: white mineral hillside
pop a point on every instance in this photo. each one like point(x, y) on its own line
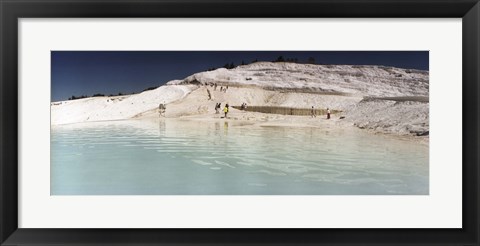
point(384, 99)
point(342, 79)
point(115, 108)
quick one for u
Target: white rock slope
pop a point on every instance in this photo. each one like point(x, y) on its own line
point(340, 87)
point(341, 79)
point(115, 108)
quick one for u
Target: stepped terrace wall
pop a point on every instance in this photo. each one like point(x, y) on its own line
point(286, 110)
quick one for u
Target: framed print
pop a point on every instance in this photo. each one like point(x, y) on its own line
point(278, 122)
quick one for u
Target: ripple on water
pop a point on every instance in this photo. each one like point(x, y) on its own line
point(203, 163)
point(155, 158)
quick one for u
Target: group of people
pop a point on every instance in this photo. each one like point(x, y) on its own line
point(223, 89)
point(218, 106)
point(313, 114)
point(244, 106)
point(214, 85)
point(162, 108)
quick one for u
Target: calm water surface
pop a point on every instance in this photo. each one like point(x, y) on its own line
point(180, 157)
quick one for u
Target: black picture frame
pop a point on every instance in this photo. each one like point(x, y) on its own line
point(12, 10)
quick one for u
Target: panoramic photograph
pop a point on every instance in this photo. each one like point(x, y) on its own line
point(239, 123)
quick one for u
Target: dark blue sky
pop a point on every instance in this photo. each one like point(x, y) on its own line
point(110, 72)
